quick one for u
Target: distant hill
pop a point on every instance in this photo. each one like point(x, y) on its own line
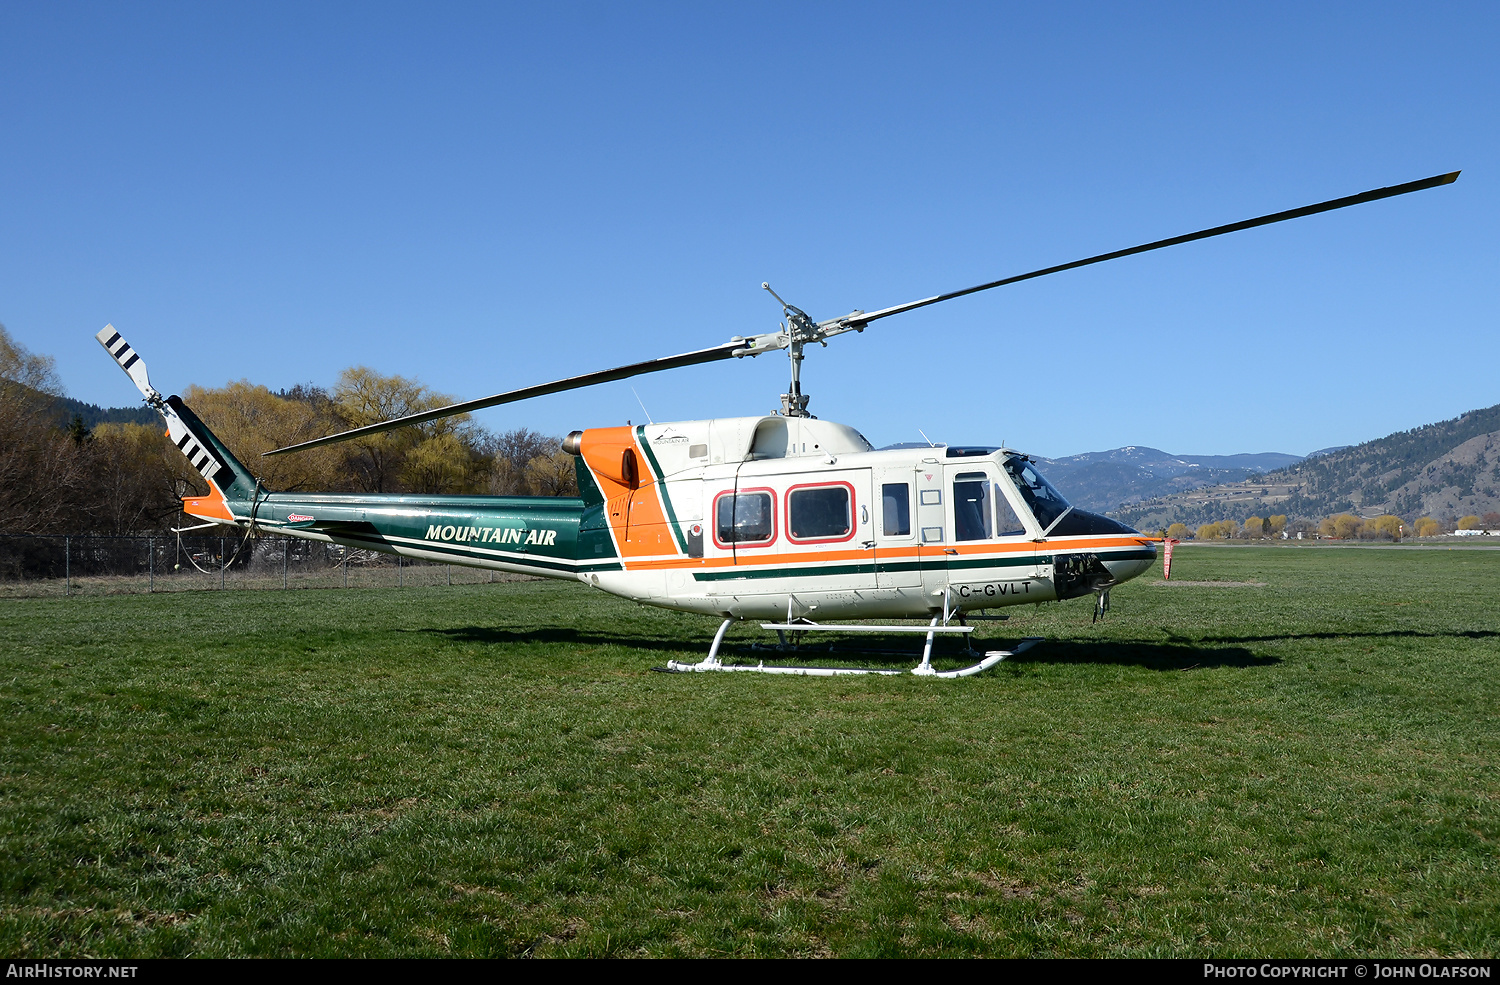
point(1107, 481)
point(66, 408)
point(93, 415)
point(1449, 469)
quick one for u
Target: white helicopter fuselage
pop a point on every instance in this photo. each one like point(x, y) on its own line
point(799, 518)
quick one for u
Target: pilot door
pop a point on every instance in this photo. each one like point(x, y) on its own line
point(991, 559)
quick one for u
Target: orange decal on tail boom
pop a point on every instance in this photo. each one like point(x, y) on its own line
point(210, 507)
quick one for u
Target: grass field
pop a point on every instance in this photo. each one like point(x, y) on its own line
point(1301, 766)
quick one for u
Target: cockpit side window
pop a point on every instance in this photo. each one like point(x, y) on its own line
point(1007, 524)
point(1045, 502)
point(980, 509)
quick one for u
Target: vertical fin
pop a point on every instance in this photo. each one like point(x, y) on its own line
point(203, 450)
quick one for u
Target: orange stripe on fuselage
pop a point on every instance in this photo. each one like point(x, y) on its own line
point(635, 512)
point(937, 555)
point(1078, 543)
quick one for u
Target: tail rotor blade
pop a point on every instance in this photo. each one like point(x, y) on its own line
point(129, 361)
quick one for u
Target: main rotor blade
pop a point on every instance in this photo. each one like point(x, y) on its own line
point(851, 321)
point(863, 318)
point(725, 351)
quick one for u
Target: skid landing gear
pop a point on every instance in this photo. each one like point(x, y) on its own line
point(923, 669)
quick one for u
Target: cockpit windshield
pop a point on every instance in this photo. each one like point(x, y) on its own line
point(1046, 503)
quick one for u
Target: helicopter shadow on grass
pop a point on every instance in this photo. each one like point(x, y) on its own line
point(1388, 634)
point(561, 636)
point(1151, 655)
point(895, 651)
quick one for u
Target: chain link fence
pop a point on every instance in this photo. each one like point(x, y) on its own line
point(32, 567)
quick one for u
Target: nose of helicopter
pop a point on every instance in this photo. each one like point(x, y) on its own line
point(1130, 565)
point(1123, 565)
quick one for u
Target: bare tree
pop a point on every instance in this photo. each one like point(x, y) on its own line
point(552, 475)
point(511, 453)
point(136, 476)
point(42, 471)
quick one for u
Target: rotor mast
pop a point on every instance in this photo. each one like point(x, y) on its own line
point(797, 331)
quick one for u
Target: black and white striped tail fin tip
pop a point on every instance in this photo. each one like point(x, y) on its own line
point(202, 459)
point(198, 453)
point(130, 361)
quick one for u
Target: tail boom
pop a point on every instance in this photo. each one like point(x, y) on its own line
point(541, 536)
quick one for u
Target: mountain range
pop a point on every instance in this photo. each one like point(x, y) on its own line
point(1448, 469)
point(1108, 481)
point(1445, 470)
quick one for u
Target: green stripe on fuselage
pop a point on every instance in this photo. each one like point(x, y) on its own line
point(861, 568)
point(661, 480)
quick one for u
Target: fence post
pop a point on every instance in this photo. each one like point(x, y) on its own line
point(67, 565)
point(346, 567)
point(151, 560)
point(398, 571)
point(450, 576)
point(285, 547)
point(223, 562)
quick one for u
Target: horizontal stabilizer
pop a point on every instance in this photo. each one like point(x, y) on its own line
point(333, 528)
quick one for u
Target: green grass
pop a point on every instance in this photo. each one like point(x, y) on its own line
point(1303, 767)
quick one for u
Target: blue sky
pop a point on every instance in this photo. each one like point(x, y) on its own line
point(486, 196)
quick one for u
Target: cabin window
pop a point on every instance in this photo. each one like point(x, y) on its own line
point(895, 509)
point(971, 506)
point(745, 518)
point(820, 513)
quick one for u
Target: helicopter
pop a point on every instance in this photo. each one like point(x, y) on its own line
point(784, 517)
